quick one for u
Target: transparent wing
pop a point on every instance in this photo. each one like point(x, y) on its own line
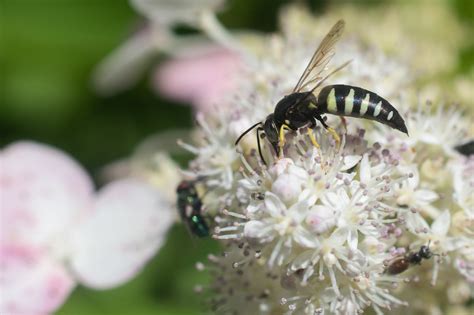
point(321, 57)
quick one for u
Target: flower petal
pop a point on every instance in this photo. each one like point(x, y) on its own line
point(320, 219)
point(280, 166)
point(426, 195)
point(177, 11)
point(305, 239)
point(350, 161)
point(44, 192)
point(364, 171)
point(440, 226)
point(31, 282)
point(254, 229)
point(339, 236)
point(273, 205)
point(126, 65)
point(288, 187)
point(128, 227)
point(203, 79)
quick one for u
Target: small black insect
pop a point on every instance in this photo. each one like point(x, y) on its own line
point(303, 108)
point(466, 149)
point(190, 209)
point(412, 258)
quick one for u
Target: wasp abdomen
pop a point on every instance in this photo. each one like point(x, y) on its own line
point(346, 100)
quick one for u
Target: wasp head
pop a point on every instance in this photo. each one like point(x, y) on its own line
point(271, 132)
point(425, 252)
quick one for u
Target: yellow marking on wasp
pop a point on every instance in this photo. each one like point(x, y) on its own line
point(364, 105)
point(287, 122)
point(331, 101)
point(390, 115)
point(349, 102)
point(378, 108)
point(281, 143)
point(312, 106)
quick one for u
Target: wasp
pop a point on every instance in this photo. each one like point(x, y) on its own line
point(304, 108)
point(401, 264)
point(190, 207)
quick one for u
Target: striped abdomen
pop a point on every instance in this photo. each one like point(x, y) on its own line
point(346, 100)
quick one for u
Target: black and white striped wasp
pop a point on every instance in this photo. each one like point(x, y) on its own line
point(303, 108)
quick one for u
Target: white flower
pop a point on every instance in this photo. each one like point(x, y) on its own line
point(423, 124)
point(312, 231)
point(216, 159)
point(281, 224)
point(413, 203)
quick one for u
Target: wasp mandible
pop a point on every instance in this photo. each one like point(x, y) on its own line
point(303, 108)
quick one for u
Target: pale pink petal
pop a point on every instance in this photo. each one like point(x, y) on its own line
point(128, 227)
point(288, 187)
point(320, 219)
point(44, 192)
point(202, 80)
point(280, 166)
point(30, 282)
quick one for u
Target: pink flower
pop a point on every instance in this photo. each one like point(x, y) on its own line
point(202, 79)
point(57, 232)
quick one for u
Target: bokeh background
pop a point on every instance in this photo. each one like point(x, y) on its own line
point(48, 51)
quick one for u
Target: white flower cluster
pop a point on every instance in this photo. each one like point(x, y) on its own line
point(340, 228)
point(315, 231)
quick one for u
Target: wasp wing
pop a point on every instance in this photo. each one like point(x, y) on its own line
point(321, 57)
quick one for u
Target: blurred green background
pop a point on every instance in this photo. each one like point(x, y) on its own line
point(48, 49)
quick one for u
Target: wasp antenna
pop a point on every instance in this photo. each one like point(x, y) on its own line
point(246, 132)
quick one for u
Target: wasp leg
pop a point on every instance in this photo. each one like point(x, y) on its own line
point(311, 135)
point(313, 138)
point(335, 136)
point(281, 143)
point(330, 130)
